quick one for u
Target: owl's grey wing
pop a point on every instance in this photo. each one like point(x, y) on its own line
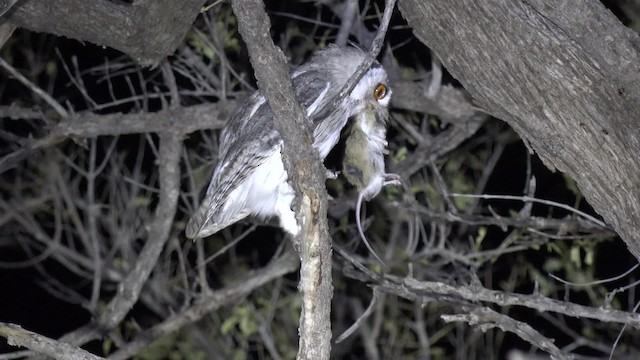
point(254, 116)
point(212, 216)
point(247, 141)
point(314, 91)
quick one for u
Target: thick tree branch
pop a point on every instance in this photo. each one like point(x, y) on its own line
point(17, 336)
point(564, 75)
point(201, 117)
point(414, 289)
point(87, 125)
point(486, 319)
point(147, 30)
point(451, 104)
point(306, 174)
point(5, 5)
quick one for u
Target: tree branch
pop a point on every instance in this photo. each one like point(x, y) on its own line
point(486, 319)
point(147, 30)
point(17, 336)
point(413, 289)
point(129, 289)
point(34, 88)
point(201, 117)
point(564, 75)
point(306, 174)
point(220, 297)
point(87, 125)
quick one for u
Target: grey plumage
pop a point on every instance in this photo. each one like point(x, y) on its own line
point(249, 177)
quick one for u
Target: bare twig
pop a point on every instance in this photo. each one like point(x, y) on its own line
point(534, 222)
point(129, 289)
point(615, 343)
point(360, 319)
point(35, 89)
point(592, 283)
point(528, 199)
point(287, 263)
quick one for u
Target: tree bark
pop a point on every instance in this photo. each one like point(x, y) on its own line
point(147, 30)
point(564, 74)
point(306, 175)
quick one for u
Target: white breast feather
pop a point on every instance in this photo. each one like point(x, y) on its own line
point(266, 192)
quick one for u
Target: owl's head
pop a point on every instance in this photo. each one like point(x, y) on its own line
point(340, 63)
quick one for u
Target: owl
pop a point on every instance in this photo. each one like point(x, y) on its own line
point(250, 178)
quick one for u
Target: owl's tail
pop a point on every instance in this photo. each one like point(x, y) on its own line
point(207, 221)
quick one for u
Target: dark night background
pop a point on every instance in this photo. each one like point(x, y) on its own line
point(25, 300)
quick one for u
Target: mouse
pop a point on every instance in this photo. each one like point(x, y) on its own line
point(363, 164)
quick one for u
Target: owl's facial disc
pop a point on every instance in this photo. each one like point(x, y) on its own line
point(372, 89)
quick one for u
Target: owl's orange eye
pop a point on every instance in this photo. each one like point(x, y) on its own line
point(380, 92)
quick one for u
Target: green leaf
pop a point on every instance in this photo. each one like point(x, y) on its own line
point(107, 344)
point(248, 325)
point(400, 155)
point(589, 256)
point(574, 256)
point(553, 265)
point(482, 233)
point(229, 324)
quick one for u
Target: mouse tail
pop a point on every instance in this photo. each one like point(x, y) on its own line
point(361, 232)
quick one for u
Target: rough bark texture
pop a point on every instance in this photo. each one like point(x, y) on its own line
point(17, 336)
point(147, 30)
point(306, 175)
point(564, 74)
